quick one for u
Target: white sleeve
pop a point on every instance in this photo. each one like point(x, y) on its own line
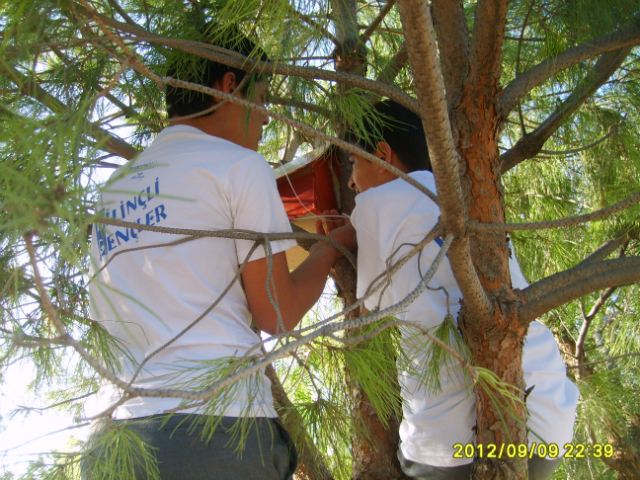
point(517, 278)
point(256, 205)
point(370, 262)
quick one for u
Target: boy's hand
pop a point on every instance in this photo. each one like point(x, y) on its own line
point(337, 227)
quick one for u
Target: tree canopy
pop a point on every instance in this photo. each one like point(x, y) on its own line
point(531, 110)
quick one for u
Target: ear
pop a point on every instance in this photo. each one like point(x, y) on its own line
point(384, 152)
point(227, 83)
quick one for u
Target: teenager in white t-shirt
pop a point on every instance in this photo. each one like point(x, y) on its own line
point(390, 213)
point(200, 173)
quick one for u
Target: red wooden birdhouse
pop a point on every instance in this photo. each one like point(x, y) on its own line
point(308, 185)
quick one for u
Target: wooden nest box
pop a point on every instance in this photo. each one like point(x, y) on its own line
point(308, 185)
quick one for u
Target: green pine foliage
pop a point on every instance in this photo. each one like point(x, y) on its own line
point(63, 90)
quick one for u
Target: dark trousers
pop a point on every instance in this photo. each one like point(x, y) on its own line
point(539, 469)
point(268, 453)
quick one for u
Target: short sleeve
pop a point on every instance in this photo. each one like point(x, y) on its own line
point(257, 206)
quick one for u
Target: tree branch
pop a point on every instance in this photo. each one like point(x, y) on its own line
point(485, 51)
point(534, 77)
point(292, 102)
point(607, 248)
point(611, 278)
point(234, 59)
point(582, 337)
point(392, 69)
point(563, 222)
point(312, 465)
point(28, 86)
point(421, 45)
point(612, 130)
point(625, 355)
point(302, 127)
point(529, 145)
point(364, 38)
point(579, 272)
point(450, 23)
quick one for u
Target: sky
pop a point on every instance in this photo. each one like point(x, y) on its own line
point(24, 436)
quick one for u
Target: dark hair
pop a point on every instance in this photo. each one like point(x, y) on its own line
point(191, 68)
point(400, 128)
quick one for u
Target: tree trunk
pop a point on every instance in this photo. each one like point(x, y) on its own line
point(496, 340)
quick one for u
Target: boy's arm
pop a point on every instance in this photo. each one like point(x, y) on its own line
point(295, 292)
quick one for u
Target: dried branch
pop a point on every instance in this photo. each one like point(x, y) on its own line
point(611, 278)
point(416, 21)
point(282, 352)
point(588, 319)
point(529, 145)
point(607, 248)
point(563, 222)
point(232, 233)
point(612, 130)
point(233, 59)
point(381, 280)
point(579, 272)
point(450, 23)
point(519, 57)
point(534, 77)
point(29, 86)
point(72, 427)
point(197, 320)
point(304, 128)
point(364, 38)
point(49, 309)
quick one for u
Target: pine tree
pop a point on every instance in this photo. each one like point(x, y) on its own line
point(531, 113)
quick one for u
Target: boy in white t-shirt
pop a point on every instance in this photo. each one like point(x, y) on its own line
point(390, 214)
point(170, 305)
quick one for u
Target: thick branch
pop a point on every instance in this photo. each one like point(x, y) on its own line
point(28, 86)
point(612, 278)
point(450, 23)
point(421, 45)
point(529, 145)
point(372, 28)
point(485, 54)
point(579, 272)
point(529, 80)
point(236, 60)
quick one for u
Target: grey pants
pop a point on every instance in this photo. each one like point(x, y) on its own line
point(268, 454)
point(539, 469)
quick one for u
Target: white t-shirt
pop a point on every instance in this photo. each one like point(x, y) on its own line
point(396, 213)
point(144, 298)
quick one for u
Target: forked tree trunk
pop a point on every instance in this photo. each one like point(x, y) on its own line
point(488, 317)
point(496, 341)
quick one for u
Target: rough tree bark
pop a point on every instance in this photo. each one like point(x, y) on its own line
point(489, 325)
